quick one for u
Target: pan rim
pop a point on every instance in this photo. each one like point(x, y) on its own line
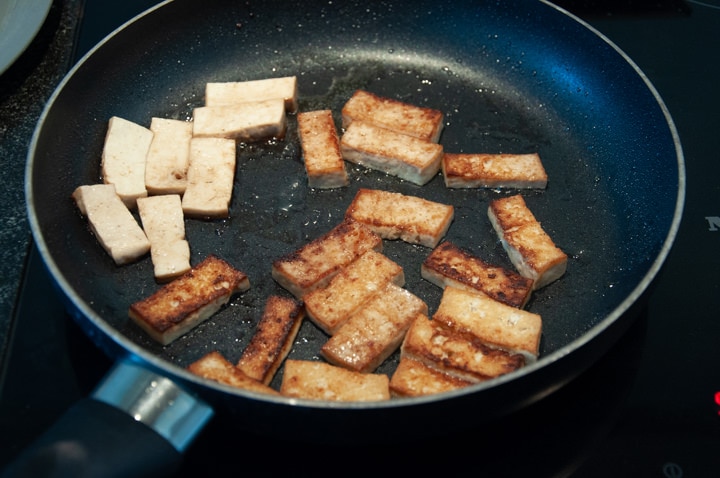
point(136, 353)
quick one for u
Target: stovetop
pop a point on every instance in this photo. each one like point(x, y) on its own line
point(649, 407)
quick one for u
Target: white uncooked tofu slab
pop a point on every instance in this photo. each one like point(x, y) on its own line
point(247, 122)
point(164, 225)
point(123, 158)
point(112, 222)
point(168, 156)
point(231, 92)
point(211, 175)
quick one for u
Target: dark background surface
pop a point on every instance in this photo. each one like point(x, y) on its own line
point(649, 408)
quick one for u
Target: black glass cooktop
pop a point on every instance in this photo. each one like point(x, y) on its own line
point(649, 407)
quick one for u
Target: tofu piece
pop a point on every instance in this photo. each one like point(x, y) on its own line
point(420, 122)
point(324, 164)
point(123, 158)
point(447, 351)
point(529, 247)
point(415, 379)
point(394, 215)
point(273, 338)
point(168, 157)
point(181, 305)
point(322, 381)
point(313, 265)
point(215, 367)
point(329, 307)
point(164, 225)
point(210, 178)
point(375, 331)
point(246, 122)
point(493, 323)
point(519, 171)
point(111, 222)
point(406, 157)
point(232, 92)
point(449, 265)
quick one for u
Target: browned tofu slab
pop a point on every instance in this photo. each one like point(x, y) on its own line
point(329, 307)
point(322, 381)
point(417, 121)
point(406, 157)
point(519, 171)
point(375, 331)
point(398, 216)
point(316, 263)
point(273, 338)
point(453, 353)
point(214, 366)
point(189, 300)
point(324, 164)
point(493, 323)
point(415, 379)
point(529, 247)
point(449, 265)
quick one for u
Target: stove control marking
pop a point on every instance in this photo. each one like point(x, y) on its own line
point(672, 470)
point(713, 223)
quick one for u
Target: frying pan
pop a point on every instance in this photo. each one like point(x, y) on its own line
point(510, 76)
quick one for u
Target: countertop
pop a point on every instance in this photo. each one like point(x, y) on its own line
point(25, 87)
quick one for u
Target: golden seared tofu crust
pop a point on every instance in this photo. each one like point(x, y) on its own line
point(415, 379)
point(273, 338)
point(190, 299)
point(420, 122)
point(449, 265)
point(317, 262)
point(493, 323)
point(214, 366)
point(398, 216)
point(375, 331)
point(329, 307)
point(459, 355)
point(406, 157)
point(519, 171)
point(529, 247)
point(322, 381)
point(324, 164)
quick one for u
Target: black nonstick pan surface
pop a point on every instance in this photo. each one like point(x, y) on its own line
point(511, 77)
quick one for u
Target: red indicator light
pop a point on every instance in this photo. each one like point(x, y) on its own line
point(717, 400)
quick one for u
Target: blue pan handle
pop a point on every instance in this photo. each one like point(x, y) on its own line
point(136, 423)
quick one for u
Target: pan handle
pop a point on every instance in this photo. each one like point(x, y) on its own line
point(136, 423)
